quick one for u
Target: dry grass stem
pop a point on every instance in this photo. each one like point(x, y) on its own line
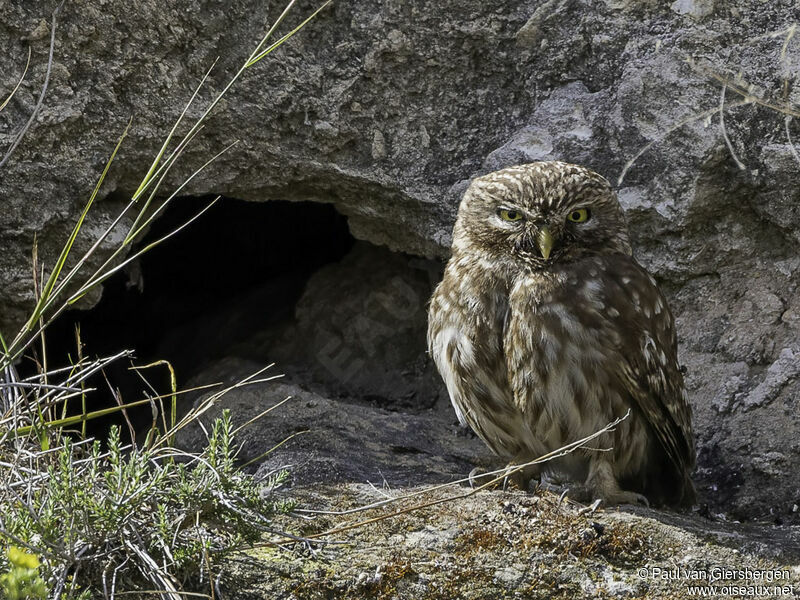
point(40, 101)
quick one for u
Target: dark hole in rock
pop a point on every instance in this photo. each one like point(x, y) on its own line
point(238, 269)
point(258, 283)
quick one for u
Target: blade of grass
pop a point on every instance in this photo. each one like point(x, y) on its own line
point(102, 277)
point(173, 396)
point(275, 447)
point(43, 302)
point(272, 29)
point(40, 101)
point(179, 189)
point(277, 44)
point(69, 421)
point(209, 402)
point(152, 172)
point(260, 415)
point(101, 273)
point(38, 405)
point(83, 382)
point(19, 83)
point(87, 371)
point(122, 247)
point(159, 177)
point(42, 336)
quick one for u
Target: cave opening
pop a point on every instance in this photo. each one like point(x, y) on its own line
point(238, 269)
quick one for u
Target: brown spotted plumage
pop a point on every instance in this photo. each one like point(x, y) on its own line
point(545, 329)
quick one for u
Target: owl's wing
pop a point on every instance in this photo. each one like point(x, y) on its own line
point(650, 370)
point(468, 354)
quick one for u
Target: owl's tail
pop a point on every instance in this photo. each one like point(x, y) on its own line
point(668, 484)
point(688, 493)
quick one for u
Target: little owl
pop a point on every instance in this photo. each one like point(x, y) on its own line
point(545, 329)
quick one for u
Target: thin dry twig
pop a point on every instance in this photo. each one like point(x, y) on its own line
point(724, 132)
point(502, 474)
point(690, 119)
point(261, 414)
point(19, 82)
point(39, 103)
point(789, 138)
point(744, 90)
point(790, 31)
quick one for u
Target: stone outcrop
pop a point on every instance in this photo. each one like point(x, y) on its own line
point(387, 109)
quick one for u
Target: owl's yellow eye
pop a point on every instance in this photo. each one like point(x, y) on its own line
point(510, 215)
point(579, 215)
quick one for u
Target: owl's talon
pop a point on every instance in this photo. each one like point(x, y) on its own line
point(475, 476)
point(510, 478)
point(520, 476)
point(592, 508)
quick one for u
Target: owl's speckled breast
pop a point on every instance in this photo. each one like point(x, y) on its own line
point(561, 379)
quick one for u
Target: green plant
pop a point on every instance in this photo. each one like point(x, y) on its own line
point(132, 518)
point(21, 579)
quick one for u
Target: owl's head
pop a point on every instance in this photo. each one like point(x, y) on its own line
point(541, 213)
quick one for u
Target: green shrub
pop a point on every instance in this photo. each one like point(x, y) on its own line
point(131, 518)
point(21, 579)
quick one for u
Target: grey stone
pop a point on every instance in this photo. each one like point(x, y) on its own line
point(695, 8)
point(781, 372)
point(388, 109)
point(359, 331)
point(329, 441)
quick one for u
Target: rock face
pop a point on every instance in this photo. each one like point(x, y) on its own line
point(387, 109)
point(338, 441)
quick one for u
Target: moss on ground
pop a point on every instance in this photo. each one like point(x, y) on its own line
point(491, 545)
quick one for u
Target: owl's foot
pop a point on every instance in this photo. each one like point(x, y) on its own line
point(518, 479)
point(521, 477)
point(623, 497)
point(602, 484)
point(591, 509)
point(554, 488)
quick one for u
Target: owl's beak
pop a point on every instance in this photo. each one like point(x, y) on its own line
point(544, 239)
